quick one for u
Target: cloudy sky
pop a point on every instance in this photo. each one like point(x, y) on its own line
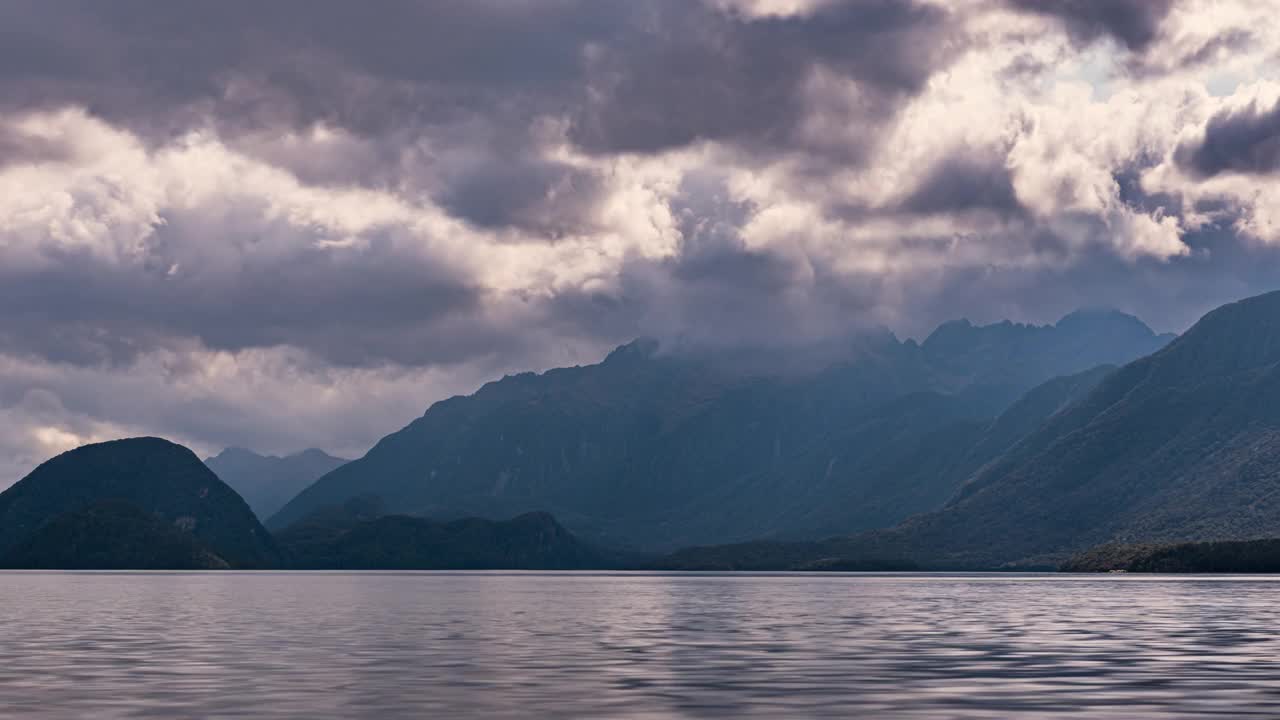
point(298, 223)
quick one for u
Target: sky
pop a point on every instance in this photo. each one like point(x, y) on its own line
point(299, 223)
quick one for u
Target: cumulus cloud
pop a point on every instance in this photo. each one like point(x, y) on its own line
point(299, 223)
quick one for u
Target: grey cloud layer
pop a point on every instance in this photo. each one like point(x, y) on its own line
point(642, 75)
point(322, 194)
point(1135, 23)
point(691, 75)
point(440, 100)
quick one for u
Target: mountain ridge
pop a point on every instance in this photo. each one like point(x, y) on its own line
point(267, 482)
point(618, 450)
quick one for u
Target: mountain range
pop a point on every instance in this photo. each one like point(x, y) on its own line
point(1181, 445)
point(653, 449)
point(148, 504)
point(267, 482)
point(982, 447)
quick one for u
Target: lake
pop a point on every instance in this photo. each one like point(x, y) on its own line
point(600, 645)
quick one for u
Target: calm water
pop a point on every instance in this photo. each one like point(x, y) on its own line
point(598, 645)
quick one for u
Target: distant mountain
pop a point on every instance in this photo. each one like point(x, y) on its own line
point(99, 505)
point(1183, 445)
point(1017, 357)
point(357, 536)
point(653, 449)
point(267, 482)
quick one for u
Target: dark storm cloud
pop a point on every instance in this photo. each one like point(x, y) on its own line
point(640, 76)
point(472, 78)
point(497, 190)
point(964, 181)
point(347, 308)
point(1241, 141)
point(693, 74)
point(1134, 23)
point(475, 74)
point(293, 60)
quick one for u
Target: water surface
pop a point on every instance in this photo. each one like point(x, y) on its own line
point(391, 645)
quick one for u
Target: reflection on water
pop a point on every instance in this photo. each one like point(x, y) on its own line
point(598, 645)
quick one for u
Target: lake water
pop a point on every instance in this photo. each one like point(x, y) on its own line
point(387, 645)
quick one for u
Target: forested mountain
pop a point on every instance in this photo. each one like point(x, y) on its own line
point(358, 536)
point(100, 505)
point(111, 535)
point(659, 449)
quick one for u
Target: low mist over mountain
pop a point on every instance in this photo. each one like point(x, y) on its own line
point(102, 505)
point(658, 449)
point(267, 482)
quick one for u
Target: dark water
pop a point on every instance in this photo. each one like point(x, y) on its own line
point(594, 646)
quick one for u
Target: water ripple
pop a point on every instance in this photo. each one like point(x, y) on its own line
point(401, 645)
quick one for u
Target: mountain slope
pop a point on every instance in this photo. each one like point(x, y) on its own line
point(160, 479)
point(267, 482)
point(909, 458)
point(884, 464)
point(632, 432)
point(1182, 445)
point(111, 535)
point(656, 450)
